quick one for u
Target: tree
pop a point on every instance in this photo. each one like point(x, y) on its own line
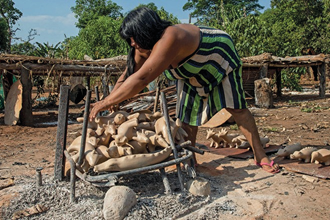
point(3, 35)
point(215, 12)
point(297, 24)
point(25, 48)
point(163, 14)
point(89, 10)
point(10, 14)
point(99, 39)
point(47, 50)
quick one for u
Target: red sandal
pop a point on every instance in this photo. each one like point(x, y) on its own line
point(267, 164)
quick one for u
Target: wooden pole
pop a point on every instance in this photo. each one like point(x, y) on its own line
point(88, 82)
point(264, 71)
point(279, 82)
point(26, 117)
point(62, 124)
point(322, 75)
point(105, 88)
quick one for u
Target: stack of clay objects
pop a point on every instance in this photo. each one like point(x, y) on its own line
point(305, 154)
point(223, 139)
point(123, 141)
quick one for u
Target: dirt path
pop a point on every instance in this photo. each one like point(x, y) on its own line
point(240, 190)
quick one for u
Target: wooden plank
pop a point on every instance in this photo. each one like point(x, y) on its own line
point(218, 119)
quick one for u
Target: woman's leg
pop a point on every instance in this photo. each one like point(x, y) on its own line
point(192, 134)
point(247, 125)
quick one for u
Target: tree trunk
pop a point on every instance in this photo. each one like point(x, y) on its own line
point(263, 93)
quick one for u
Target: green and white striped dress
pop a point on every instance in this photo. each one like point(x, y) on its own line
point(208, 80)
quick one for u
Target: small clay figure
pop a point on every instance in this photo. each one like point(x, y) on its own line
point(321, 156)
point(133, 161)
point(304, 154)
point(138, 147)
point(90, 153)
point(125, 132)
point(227, 138)
point(290, 149)
point(161, 128)
point(180, 136)
point(216, 140)
point(103, 152)
point(146, 125)
point(119, 119)
point(119, 151)
point(244, 144)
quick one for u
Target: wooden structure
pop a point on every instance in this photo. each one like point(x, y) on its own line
point(268, 66)
point(256, 67)
point(27, 66)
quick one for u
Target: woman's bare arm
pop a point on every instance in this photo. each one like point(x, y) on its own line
point(162, 55)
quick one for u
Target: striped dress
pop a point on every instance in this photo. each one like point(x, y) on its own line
point(209, 80)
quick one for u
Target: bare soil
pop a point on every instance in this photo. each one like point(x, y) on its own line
point(240, 190)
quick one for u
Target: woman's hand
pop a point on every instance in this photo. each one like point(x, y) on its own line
point(96, 108)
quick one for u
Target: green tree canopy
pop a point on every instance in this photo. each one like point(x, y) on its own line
point(89, 10)
point(10, 14)
point(163, 14)
point(99, 39)
point(297, 24)
point(25, 48)
point(3, 35)
point(213, 12)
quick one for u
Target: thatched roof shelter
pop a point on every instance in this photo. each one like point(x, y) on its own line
point(254, 67)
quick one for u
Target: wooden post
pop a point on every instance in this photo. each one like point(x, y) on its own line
point(62, 124)
point(59, 82)
point(88, 82)
point(263, 93)
point(279, 82)
point(105, 87)
point(322, 75)
point(264, 71)
point(26, 117)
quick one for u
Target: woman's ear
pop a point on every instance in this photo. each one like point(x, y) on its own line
point(133, 43)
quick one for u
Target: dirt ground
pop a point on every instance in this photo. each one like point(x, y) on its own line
point(239, 189)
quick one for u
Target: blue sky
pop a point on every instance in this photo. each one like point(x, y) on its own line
point(54, 20)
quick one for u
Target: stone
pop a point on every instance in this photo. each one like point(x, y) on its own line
point(199, 187)
point(118, 201)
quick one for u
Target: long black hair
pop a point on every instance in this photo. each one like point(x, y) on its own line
point(146, 28)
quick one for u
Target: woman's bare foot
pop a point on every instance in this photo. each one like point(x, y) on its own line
point(268, 165)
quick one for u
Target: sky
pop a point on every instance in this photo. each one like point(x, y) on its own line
point(54, 20)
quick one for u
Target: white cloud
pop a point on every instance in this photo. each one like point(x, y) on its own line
point(186, 21)
point(67, 20)
point(49, 28)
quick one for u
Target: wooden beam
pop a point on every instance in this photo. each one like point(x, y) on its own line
point(286, 65)
point(60, 67)
point(67, 73)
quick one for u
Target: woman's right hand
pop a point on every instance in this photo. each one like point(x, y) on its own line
point(100, 106)
point(96, 108)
